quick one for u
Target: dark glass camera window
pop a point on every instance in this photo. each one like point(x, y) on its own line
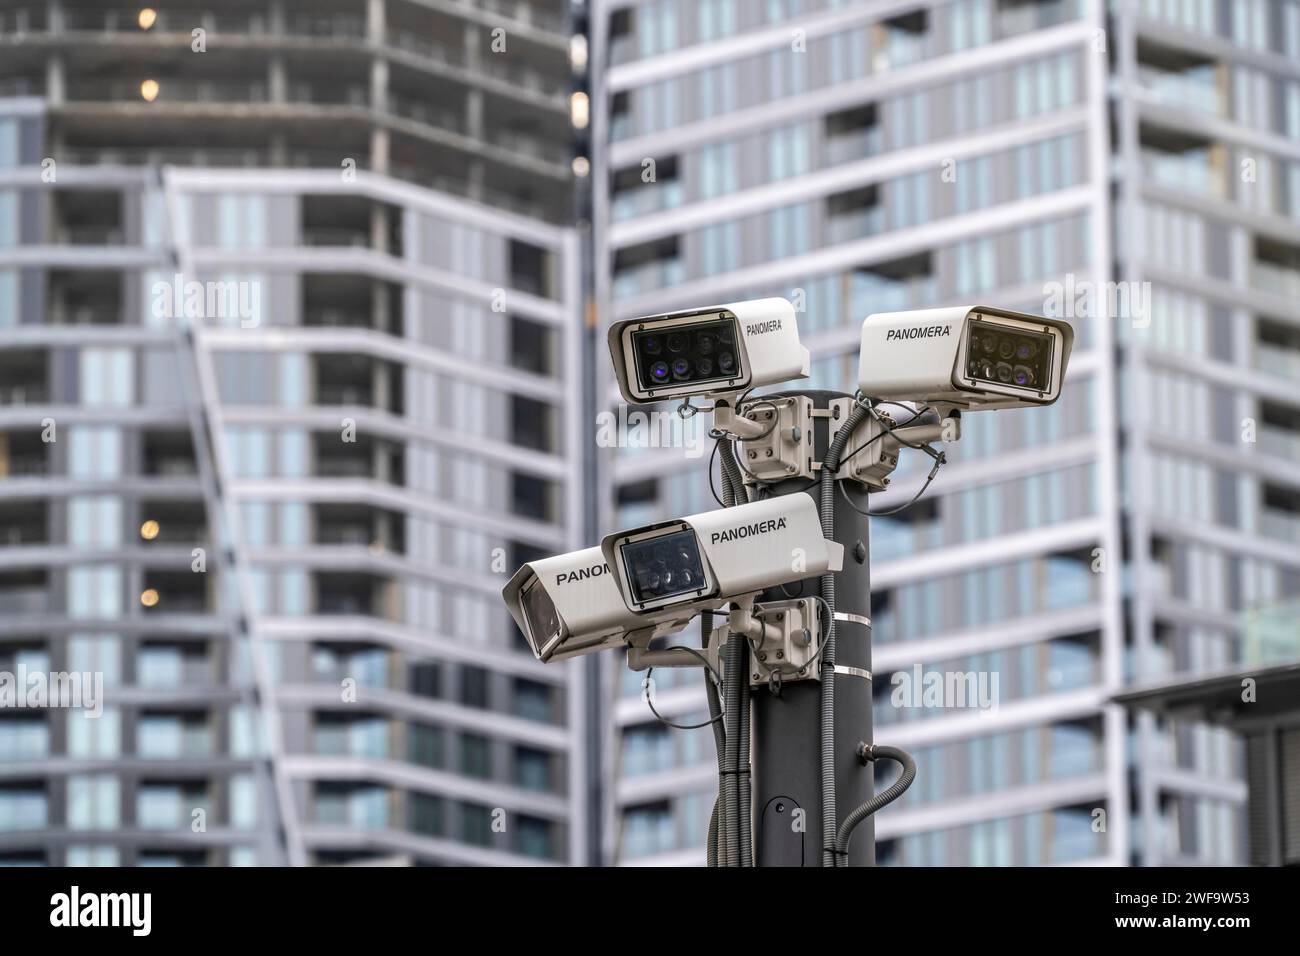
point(1006, 356)
point(663, 567)
point(687, 354)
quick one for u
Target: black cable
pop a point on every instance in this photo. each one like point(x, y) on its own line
point(885, 430)
point(939, 460)
point(712, 489)
point(709, 670)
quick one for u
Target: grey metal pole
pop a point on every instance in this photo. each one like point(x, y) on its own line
point(786, 729)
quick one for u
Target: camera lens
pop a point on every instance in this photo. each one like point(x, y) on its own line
point(1004, 372)
point(1023, 375)
point(676, 342)
point(988, 344)
point(681, 368)
point(705, 343)
point(726, 363)
point(1024, 350)
point(659, 371)
point(651, 344)
point(540, 615)
point(1006, 349)
point(649, 579)
point(704, 366)
point(664, 567)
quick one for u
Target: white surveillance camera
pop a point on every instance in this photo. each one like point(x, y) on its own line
point(706, 560)
point(711, 351)
point(965, 357)
point(569, 605)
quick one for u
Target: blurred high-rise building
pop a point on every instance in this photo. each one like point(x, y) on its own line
point(289, 377)
point(1133, 166)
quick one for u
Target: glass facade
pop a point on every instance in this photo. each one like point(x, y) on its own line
point(285, 391)
point(1051, 157)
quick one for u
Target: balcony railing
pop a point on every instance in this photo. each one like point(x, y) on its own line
point(335, 236)
point(172, 91)
point(651, 276)
point(1276, 279)
point(1279, 525)
point(24, 601)
point(849, 226)
point(90, 236)
point(525, 13)
point(24, 466)
point(1277, 360)
point(327, 26)
point(849, 147)
point(1279, 442)
point(1272, 634)
point(339, 318)
point(344, 395)
point(24, 394)
point(646, 199)
point(498, 68)
point(90, 20)
point(1189, 172)
point(21, 20)
point(1198, 91)
point(424, 111)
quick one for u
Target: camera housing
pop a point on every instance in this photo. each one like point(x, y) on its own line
point(966, 357)
point(569, 605)
point(708, 559)
point(711, 351)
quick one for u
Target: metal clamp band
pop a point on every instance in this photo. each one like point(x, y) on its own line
point(853, 671)
point(853, 618)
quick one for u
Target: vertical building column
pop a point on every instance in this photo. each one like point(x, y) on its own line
point(474, 117)
point(376, 21)
point(380, 143)
point(376, 29)
point(275, 19)
point(379, 84)
point(55, 92)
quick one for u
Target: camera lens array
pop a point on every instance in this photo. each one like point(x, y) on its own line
point(664, 566)
point(1009, 356)
point(687, 354)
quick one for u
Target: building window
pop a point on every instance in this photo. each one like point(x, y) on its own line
point(474, 687)
point(426, 816)
point(475, 756)
point(533, 769)
point(536, 838)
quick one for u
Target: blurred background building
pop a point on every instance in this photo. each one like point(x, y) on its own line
point(367, 414)
point(398, 405)
point(862, 157)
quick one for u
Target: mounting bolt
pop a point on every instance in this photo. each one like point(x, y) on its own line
point(780, 655)
point(762, 655)
point(859, 552)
